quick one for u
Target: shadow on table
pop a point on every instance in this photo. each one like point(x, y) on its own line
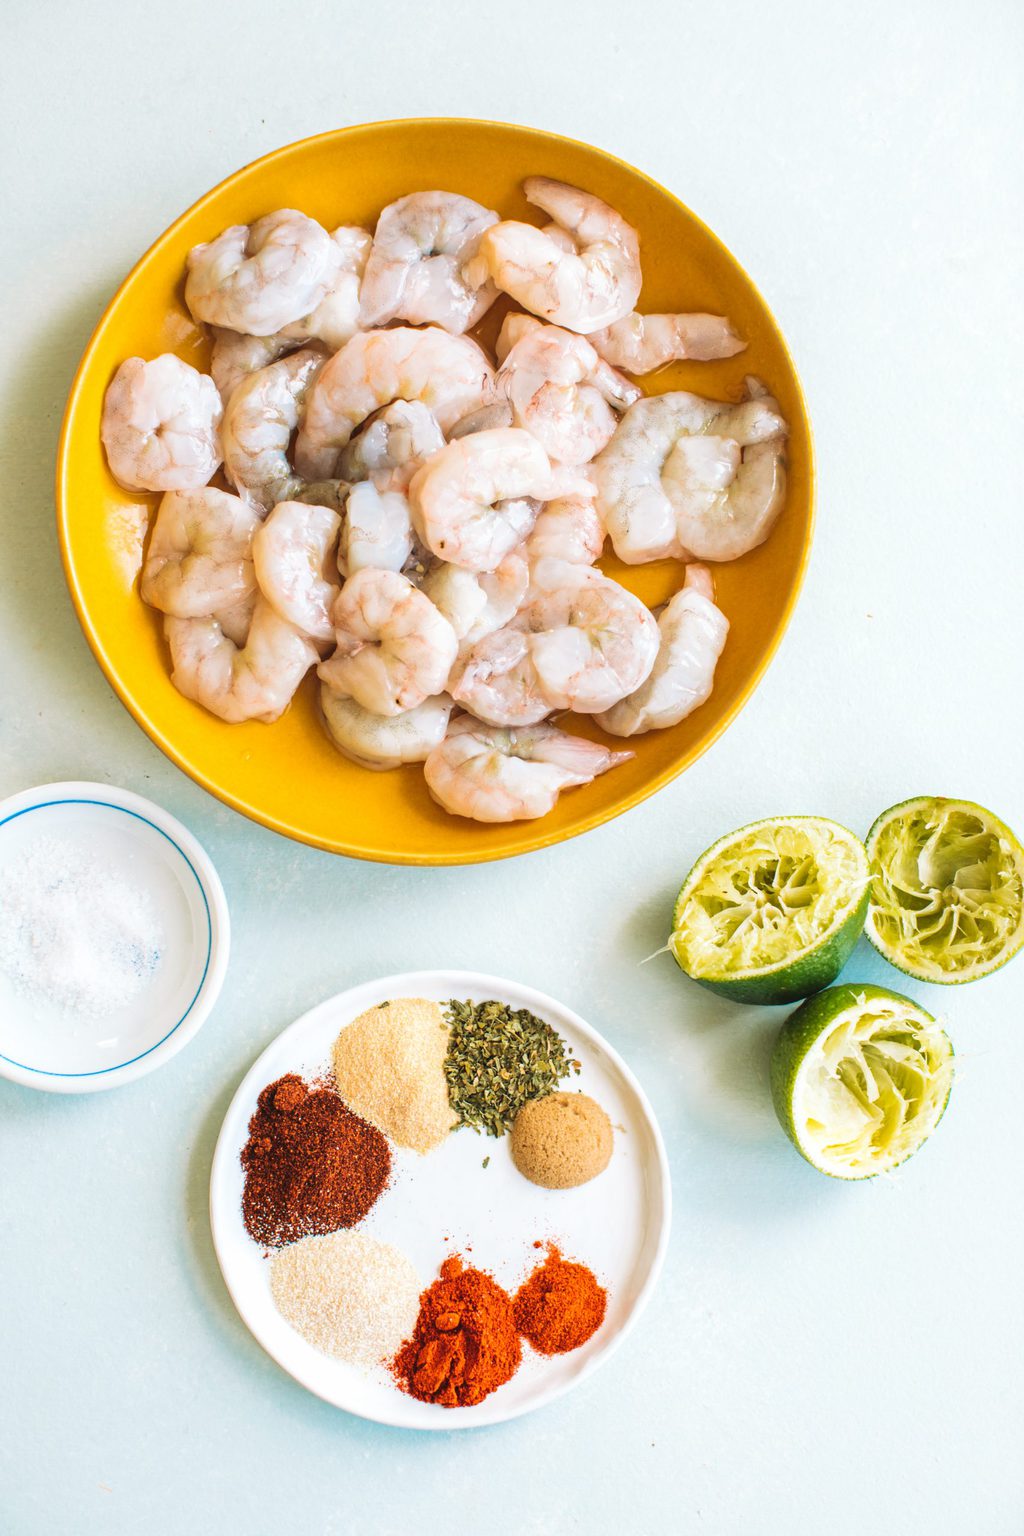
point(716, 1057)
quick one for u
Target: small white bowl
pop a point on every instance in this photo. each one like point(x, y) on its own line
point(42, 1045)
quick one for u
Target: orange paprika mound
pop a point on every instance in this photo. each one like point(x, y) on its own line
point(465, 1344)
point(560, 1306)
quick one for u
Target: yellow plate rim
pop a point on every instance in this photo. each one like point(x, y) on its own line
point(524, 843)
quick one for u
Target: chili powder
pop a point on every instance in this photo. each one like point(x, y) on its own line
point(311, 1165)
point(465, 1343)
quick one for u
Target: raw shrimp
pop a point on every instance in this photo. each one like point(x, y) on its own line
point(235, 357)
point(642, 343)
point(199, 558)
point(160, 425)
point(562, 392)
point(290, 552)
point(236, 621)
point(377, 531)
point(685, 476)
point(449, 374)
point(333, 321)
point(568, 528)
point(384, 741)
point(584, 289)
point(415, 269)
point(261, 416)
point(395, 649)
point(475, 604)
point(394, 444)
point(497, 681)
point(473, 502)
point(513, 328)
point(489, 774)
point(252, 682)
point(497, 414)
point(258, 278)
point(336, 318)
point(579, 642)
point(693, 634)
point(592, 642)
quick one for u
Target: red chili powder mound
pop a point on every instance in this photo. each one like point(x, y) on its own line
point(560, 1305)
point(465, 1344)
point(311, 1165)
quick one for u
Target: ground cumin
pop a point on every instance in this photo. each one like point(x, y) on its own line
point(465, 1343)
point(560, 1305)
point(311, 1165)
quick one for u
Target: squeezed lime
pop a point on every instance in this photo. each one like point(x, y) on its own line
point(860, 1078)
point(947, 891)
point(771, 912)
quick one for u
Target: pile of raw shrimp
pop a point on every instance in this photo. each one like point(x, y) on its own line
point(422, 523)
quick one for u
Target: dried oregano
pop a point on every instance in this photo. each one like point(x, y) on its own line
point(498, 1058)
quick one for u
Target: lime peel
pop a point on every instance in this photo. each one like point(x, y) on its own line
point(772, 911)
point(860, 1078)
point(947, 900)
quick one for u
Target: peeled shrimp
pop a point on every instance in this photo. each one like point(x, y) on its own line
point(592, 642)
point(489, 774)
point(252, 682)
point(642, 343)
point(199, 558)
point(497, 414)
point(474, 501)
point(449, 374)
point(579, 642)
point(394, 444)
point(384, 741)
point(236, 621)
point(377, 532)
point(290, 553)
point(684, 476)
point(513, 328)
point(415, 268)
point(258, 278)
point(395, 649)
point(333, 322)
point(160, 425)
point(568, 528)
point(477, 603)
point(336, 318)
point(235, 357)
point(562, 392)
point(693, 635)
point(583, 289)
point(261, 416)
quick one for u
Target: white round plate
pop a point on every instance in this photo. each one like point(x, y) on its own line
point(448, 1202)
point(42, 1045)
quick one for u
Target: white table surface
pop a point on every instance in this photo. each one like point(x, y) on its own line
point(817, 1357)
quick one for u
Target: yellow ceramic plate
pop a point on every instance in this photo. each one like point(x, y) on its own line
point(287, 775)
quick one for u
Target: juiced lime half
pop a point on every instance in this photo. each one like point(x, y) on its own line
point(772, 912)
point(947, 894)
point(860, 1078)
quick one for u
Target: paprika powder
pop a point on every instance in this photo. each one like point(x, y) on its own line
point(560, 1306)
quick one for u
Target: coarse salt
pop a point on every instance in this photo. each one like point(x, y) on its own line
point(75, 931)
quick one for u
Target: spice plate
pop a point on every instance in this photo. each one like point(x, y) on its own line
point(447, 1201)
point(81, 866)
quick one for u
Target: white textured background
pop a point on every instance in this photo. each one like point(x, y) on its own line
point(817, 1357)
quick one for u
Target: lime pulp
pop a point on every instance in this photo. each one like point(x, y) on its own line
point(947, 895)
point(860, 1078)
point(771, 912)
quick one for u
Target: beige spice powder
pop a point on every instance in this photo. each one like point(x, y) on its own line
point(389, 1067)
point(349, 1295)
